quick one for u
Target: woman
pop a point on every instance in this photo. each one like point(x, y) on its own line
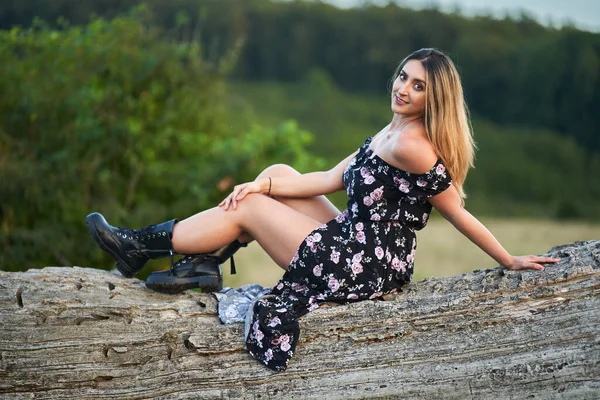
point(420, 159)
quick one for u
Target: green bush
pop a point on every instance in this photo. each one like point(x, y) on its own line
point(111, 117)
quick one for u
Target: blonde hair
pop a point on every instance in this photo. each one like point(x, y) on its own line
point(446, 116)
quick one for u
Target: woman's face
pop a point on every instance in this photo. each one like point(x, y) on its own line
point(408, 91)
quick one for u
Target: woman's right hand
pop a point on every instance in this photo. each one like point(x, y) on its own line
point(239, 192)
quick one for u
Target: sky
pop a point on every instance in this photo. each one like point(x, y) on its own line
point(585, 14)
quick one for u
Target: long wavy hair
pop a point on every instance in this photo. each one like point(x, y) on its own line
point(446, 116)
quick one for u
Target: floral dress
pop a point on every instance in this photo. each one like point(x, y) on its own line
point(366, 251)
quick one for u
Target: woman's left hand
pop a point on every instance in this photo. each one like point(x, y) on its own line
point(530, 262)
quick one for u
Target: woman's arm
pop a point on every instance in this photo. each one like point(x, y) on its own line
point(309, 184)
point(304, 185)
point(449, 205)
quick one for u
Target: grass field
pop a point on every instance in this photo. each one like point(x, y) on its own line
point(441, 250)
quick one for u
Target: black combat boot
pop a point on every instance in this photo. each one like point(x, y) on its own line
point(131, 248)
point(195, 271)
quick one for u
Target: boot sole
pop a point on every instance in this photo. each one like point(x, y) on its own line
point(121, 265)
point(208, 283)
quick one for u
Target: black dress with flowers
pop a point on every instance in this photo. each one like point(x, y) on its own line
point(366, 251)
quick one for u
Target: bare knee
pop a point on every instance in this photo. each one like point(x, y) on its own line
point(278, 170)
point(248, 206)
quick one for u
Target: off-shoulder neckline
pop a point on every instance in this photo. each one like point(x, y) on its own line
point(374, 155)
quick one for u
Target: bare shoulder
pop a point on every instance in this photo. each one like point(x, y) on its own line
point(414, 151)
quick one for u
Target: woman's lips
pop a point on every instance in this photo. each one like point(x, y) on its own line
point(399, 101)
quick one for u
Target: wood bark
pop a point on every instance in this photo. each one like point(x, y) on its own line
point(87, 334)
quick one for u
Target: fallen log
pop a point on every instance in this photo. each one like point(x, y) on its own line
point(85, 333)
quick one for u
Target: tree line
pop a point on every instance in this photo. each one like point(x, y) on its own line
point(515, 70)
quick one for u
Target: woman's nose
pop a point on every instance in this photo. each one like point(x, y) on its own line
point(402, 89)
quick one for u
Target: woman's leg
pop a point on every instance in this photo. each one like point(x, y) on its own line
point(318, 208)
point(279, 223)
point(278, 228)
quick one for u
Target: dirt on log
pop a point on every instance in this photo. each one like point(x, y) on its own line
point(85, 333)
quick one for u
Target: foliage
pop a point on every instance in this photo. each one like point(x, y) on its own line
point(111, 117)
point(515, 71)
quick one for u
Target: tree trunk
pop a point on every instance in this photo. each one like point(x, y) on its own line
point(86, 334)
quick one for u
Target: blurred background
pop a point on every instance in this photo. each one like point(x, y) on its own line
point(151, 112)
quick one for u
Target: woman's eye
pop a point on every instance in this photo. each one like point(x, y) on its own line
point(418, 87)
point(402, 76)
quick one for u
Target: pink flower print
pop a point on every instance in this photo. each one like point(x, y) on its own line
point(403, 185)
point(397, 180)
point(377, 194)
point(402, 266)
point(357, 268)
point(352, 296)
point(317, 237)
point(421, 183)
point(361, 237)
point(335, 256)
point(357, 258)
point(333, 284)
point(440, 169)
point(309, 240)
point(279, 286)
point(318, 269)
point(295, 258)
point(396, 264)
point(369, 180)
point(268, 355)
point(425, 217)
point(285, 343)
point(364, 172)
point(375, 295)
point(368, 201)
point(359, 226)
point(375, 217)
point(354, 208)
point(258, 335)
point(298, 287)
point(340, 217)
point(379, 252)
point(313, 248)
point(274, 322)
point(388, 256)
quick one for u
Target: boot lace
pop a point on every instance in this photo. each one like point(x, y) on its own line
point(139, 234)
point(193, 258)
point(143, 235)
point(190, 258)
